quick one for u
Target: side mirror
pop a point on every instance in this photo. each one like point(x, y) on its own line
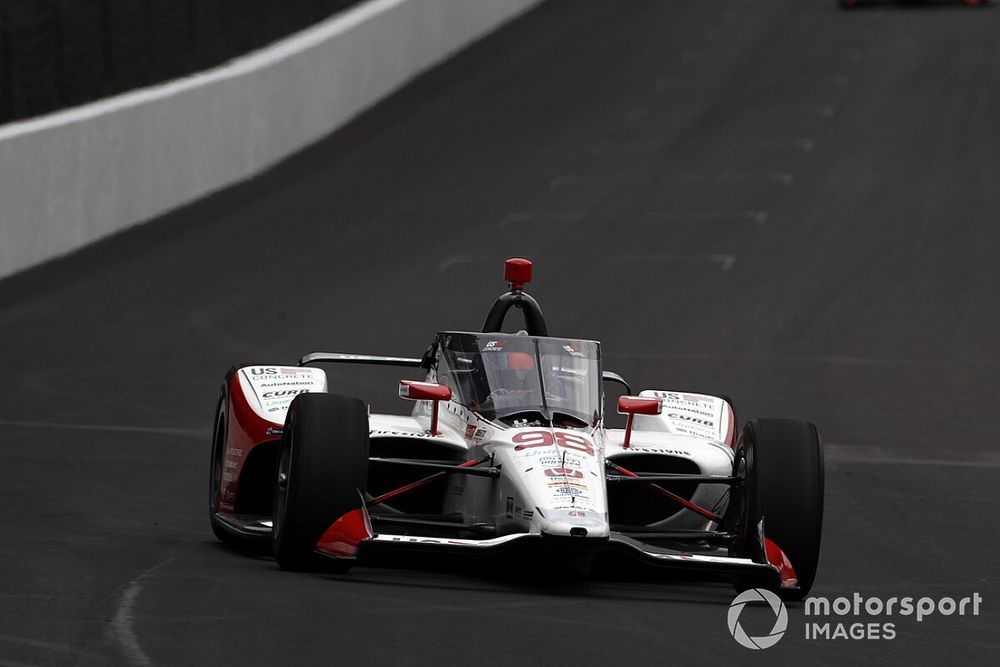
point(413, 390)
point(609, 376)
point(637, 405)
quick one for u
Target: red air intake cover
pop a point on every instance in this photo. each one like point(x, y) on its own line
point(517, 271)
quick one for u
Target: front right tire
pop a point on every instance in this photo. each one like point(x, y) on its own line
point(781, 464)
point(322, 474)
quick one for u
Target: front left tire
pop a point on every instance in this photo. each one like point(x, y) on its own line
point(220, 433)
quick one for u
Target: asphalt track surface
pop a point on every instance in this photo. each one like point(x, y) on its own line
point(778, 200)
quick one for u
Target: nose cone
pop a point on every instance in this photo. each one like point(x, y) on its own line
point(573, 523)
point(559, 473)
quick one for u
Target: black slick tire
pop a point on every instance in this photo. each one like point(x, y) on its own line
point(322, 472)
point(781, 463)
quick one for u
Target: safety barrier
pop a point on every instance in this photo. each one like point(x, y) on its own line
point(72, 177)
point(60, 53)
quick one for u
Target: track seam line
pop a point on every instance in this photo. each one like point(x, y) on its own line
point(165, 430)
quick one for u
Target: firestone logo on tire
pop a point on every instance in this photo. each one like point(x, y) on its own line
point(780, 618)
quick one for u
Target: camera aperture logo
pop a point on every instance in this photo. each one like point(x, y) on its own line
point(780, 618)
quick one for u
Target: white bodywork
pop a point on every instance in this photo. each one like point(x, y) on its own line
point(553, 480)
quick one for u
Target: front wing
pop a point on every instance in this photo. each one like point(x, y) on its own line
point(352, 537)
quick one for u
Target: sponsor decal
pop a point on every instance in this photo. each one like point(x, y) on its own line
point(694, 432)
point(470, 430)
point(573, 351)
point(693, 420)
point(273, 430)
point(284, 393)
point(287, 383)
point(234, 452)
point(274, 370)
point(569, 484)
point(694, 411)
point(678, 399)
point(660, 450)
point(402, 434)
point(568, 507)
point(539, 452)
point(276, 386)
point(494, 346)
point(564, 472)
point(409, 539)
point(563, 461)
point(683, 398)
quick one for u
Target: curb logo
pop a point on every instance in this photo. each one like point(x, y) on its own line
point(780, 618)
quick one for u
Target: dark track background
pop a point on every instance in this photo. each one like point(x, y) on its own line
point(778, 200)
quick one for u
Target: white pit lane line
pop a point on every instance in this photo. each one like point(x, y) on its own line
point(53, 647)
point(122, 626)
point(811, 359)
point(868, 455)
point(725, 261)
point(757, 217)
point(540, 217)
point(122, 629)
point(114, 428)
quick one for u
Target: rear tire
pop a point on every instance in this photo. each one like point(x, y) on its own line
point(781, 462)
point(322, 472)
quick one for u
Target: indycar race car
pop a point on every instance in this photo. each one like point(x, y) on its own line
point(506, 452)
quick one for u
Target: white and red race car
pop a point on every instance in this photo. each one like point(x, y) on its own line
point(506, 451)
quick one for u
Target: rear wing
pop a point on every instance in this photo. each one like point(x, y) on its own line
point(370, 359)
point(409, 362)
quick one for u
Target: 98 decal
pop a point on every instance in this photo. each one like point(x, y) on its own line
point(530, 439)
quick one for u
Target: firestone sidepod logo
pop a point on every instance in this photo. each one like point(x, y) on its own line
point(757, 595)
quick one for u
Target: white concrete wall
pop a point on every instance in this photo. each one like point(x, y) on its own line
point(70, 178)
